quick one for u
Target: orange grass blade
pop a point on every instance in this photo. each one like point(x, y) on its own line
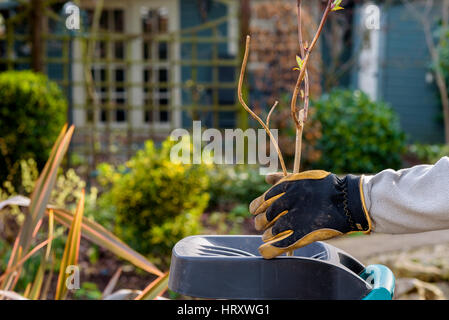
point(24, 259)
point(42, 191)
point(154, 289)
point(105, 239)
point(112, 283)
point(27, 290)
point(38, 281)
point(51, 218)
point(40, 197)
point(71, 250)
point(97, 234)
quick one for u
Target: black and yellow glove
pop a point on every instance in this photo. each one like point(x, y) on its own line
point(306, 207)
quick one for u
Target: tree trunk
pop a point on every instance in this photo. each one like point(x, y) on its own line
point(37, 26)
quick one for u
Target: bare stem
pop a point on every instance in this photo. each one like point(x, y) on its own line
point(248, 109)
point(303, 76)
point(306, 60)
point(306, 77)
point(271, 111)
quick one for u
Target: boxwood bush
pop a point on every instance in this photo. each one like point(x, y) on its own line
point(154, 201)
point(32, 112)
point(358, 135)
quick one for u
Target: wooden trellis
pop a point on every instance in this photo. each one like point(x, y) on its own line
point(166, 98)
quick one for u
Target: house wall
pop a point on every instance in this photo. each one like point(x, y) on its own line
point(201, 57)
point(201, 94)
point(403, 78)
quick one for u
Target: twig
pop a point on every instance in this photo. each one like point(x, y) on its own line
point(302, 47)
point(424, 19)
point(299, 123)
point(248, 109)
point(269, 114)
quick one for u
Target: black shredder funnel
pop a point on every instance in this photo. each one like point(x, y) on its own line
point(230, 267)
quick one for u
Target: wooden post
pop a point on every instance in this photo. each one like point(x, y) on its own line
point(37, 26)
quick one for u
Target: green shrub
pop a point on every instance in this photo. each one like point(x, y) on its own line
point(32, 112)
point(233, 185)
point(65, 194)
point(154, 201)
point(88, 291)
point(358, 134)
point(428, 153)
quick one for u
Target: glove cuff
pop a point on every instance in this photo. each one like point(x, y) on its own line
point(355, 205)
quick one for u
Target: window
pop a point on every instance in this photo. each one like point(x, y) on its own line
point(156, 74)
point(109, 68)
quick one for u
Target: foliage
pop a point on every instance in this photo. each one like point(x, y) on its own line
point(88, 291)
point(231, 191)
point(429, 153)
point(155, 202)
point(359, 135)
point(235, 184)
point(66, 191)
point(154, 289)
point(38, 231)
point(71, 250)
point(227, 223)
point(32, 111)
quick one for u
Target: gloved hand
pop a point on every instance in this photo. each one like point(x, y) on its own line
point(306, 207)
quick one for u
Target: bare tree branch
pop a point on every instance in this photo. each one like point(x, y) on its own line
point(425, 19)
point(251, 112)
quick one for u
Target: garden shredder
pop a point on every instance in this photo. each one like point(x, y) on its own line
point(230, 267)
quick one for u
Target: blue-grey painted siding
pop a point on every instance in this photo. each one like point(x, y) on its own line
point(404, 66)
point(191, 17)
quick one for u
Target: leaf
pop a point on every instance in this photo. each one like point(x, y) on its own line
point(19, 263)
point(39, 278)
point(300, 63)
point(71, 250)
point(15, 201)
point(40, 197)
point(123, 294)
point(95, 233)
point(336, 5)
point(112, 283)
point(154, 289)
point(38, 281)
point(46, 286)
point(11, 295)
point(50, 233)
point(27, 290)
point(44, 185)
point(102, 237)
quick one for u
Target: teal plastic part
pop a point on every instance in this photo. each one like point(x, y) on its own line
point(382, 280)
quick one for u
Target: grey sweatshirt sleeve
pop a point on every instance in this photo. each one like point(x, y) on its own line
point(409, 200)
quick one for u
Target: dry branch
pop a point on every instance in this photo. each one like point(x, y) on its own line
point(303, 77)
point(248, 109)
point(299, 115)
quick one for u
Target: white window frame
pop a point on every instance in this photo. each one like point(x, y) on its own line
point(134, 73)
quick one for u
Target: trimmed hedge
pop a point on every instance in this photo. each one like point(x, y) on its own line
point(32, 112)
